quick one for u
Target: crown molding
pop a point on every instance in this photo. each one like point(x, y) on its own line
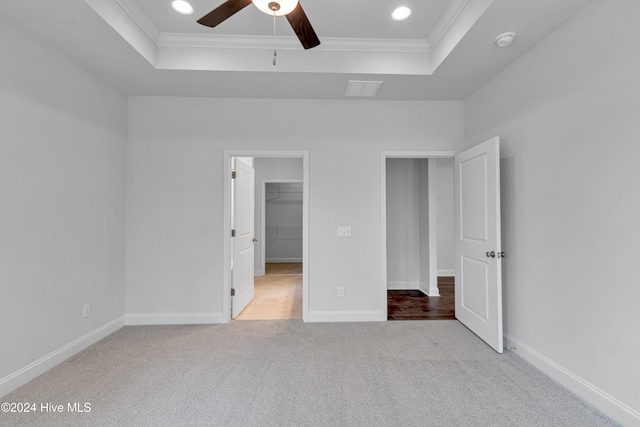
point(290, 42)
point(445, 22)
point(140, 18)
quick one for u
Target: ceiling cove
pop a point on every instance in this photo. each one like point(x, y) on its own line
point(194, 49)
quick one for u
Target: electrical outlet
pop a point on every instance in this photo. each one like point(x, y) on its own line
point(344, 231)
point(340, 291)
point(86, 310)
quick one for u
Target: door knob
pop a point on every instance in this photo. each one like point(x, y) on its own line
point(255, 240)
point(491, 254)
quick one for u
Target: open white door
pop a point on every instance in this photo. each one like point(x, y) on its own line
point(478, 283)
point(242, 240)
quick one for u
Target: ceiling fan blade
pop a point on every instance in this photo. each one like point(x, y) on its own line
point(222, 12)
point(302, 27)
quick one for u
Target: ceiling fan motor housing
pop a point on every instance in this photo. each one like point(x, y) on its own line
point(279, 7)
point(290, 8)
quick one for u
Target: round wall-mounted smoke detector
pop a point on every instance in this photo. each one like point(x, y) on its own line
point(505, 39)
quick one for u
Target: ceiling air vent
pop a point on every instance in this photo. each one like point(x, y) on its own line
point(362, 88)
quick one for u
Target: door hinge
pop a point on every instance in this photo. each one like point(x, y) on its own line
point(233, 292)
point(233, 174)
point(233, 233)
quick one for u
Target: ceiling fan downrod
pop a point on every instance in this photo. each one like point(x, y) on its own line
point(274, 6)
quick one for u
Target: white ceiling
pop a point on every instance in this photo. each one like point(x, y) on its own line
point(444, 51)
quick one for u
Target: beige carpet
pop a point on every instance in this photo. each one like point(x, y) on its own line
point(277, 295)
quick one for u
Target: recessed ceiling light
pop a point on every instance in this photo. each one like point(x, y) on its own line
point(401, 13)
point(182, 6)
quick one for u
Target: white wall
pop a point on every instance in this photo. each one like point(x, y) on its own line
point(271, 169)
point(62, 192)
point(568, 115)
point(175, 193)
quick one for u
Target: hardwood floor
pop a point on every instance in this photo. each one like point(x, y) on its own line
point(414, 305)
point(277, 295)
point(283, 268)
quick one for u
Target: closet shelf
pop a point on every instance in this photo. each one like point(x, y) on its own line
point(284, 202)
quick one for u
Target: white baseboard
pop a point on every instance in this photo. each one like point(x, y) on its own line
point(446, 273)
point(258, 272)
point(428, 291)
point(267, 260)
point(606, 403)
point(173, 318)
point(347, 316)
point(42, 365)
point(402, 285)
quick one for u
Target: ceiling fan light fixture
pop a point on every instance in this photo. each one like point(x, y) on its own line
point(277, 7)
point(401, 13)
point(182, 7)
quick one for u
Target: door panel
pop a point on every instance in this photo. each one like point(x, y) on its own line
point(474, 198)
point(474, 298)
point(243, 246)
point(478, 283)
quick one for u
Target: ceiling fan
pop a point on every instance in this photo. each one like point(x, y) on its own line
point(290, 8)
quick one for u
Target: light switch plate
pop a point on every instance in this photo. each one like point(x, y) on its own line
point(344, 231)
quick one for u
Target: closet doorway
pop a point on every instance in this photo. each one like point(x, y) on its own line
point(420, 262)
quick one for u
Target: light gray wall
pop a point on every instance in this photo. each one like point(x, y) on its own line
point(568, 115)
point(175, 192)
point(422, 193)
point(271, 169)
point(403, 224)
point(62, 194)
point(444, 217)
point(408, 221)
point(283, 222)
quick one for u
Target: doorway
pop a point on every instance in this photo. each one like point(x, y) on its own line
point(419, 235)
point(271, 167)
point(278, 272)
point(477, 236)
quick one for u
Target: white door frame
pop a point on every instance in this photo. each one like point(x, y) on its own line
point(383, 204)
point(263, 216)
point(226, 228)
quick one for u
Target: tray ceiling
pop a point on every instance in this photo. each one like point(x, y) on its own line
point(444, 51)
point(357, 36)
